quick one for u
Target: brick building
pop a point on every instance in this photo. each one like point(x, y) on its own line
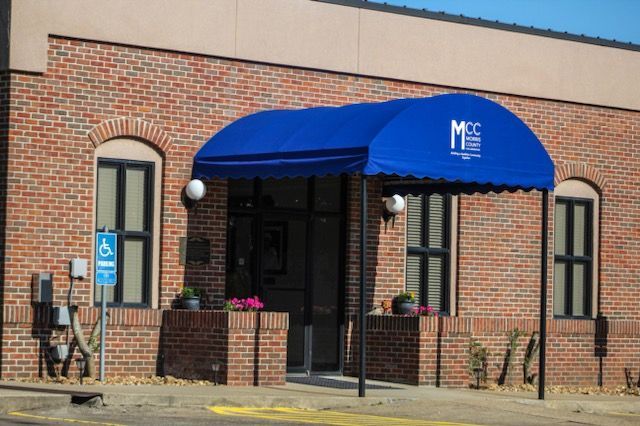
point(103, 106)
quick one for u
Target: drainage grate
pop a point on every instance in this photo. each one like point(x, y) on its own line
point(331, 383)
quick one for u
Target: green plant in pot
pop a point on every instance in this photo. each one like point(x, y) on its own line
point(190, 298)
point(406, 303)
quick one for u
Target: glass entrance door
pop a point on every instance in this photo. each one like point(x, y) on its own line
point(284, 277)
point(286, 244)
point(325, 294)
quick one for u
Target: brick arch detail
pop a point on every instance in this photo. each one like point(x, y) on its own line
point(124, 126)
point(579, 171)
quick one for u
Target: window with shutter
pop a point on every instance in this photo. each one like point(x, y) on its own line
point(573, 257)
point(576, 249)
point(125, 206)
point(429, 249)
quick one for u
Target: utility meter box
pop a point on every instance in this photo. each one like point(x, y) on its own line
point(78, 268)
point(59, 352)
point(42, 287)
point(61, 316)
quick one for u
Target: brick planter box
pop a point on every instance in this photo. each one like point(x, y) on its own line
point(250, 346)
point(435, 351)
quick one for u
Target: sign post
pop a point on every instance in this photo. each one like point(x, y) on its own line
point(106, 275)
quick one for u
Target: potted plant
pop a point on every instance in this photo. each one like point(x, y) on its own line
point(406, 303)
point(191, 298)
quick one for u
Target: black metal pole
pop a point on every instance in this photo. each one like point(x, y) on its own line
point(363, 285)
point(543, 293)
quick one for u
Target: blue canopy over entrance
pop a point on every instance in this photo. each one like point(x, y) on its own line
point(459, 143)
point(455, 138)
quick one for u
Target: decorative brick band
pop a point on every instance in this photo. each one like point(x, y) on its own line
point(226, 320)
point(470, 325)
point(123, 316)
point(580, 171)
point(41, 315)
point(391, 323)
point(137, 128)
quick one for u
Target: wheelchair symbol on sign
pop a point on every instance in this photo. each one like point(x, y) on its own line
point(105, 249)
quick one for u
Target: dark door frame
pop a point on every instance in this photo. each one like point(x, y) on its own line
point(262, 214)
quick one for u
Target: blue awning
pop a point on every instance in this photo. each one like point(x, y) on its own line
point(463, 139)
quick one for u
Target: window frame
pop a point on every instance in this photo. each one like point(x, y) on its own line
point(447, 252)
point(571, 259)
point(122, 165)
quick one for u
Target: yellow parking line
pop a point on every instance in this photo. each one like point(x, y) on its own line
point(322, 417)
point(61, 419)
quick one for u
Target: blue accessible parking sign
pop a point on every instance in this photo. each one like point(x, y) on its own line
point(106, 258)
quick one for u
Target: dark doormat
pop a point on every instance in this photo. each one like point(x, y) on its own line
point(331, 383)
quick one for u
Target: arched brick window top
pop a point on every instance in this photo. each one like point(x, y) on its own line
point(131, 127)
point(579, 171)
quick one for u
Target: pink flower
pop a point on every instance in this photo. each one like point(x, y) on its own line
point(251, 304)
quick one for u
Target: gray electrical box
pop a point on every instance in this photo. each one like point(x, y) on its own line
point(78, 268)
point(61, 316)
point(59, 352)
point(42, 287)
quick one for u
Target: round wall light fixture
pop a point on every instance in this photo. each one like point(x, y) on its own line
point(392, 206)
point(395, 204)
point(196, 190)
point(192, 193)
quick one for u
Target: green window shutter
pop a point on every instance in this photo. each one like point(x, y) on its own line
point(135, 200)
point(560, 228)
point(415, 274)
point(579, 286)
point(436, 282)
point(107, 197)
point(437, 221)
point(414, 221)
point(580, 230)
point(133, 279)
point(559, 287)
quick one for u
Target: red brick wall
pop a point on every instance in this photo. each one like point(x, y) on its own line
point(188, 97)
point(4, 140)
point(131, 340)
point(251, 347)
point(428, 350)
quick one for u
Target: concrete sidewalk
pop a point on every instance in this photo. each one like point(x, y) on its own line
point(13, 400)
point(297, 396)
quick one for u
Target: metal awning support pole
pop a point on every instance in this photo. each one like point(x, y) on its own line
point(363, 285)
point(543, 293)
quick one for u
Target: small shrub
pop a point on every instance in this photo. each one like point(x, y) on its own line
point(407, 296)
point(188, 292)
point(478, 355)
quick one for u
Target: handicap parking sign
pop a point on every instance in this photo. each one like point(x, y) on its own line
point(106, 258)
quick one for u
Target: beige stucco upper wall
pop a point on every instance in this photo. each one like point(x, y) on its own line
point(338, 38)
